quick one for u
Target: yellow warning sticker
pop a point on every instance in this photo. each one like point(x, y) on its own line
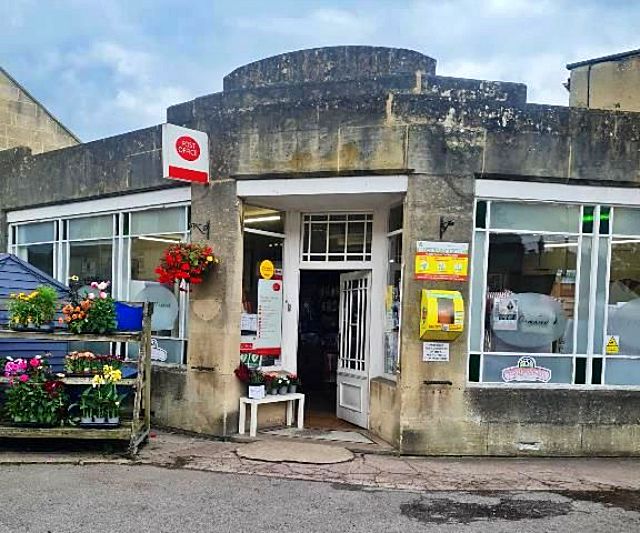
point(613, 345)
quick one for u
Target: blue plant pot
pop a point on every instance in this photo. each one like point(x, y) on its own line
point(128, 317)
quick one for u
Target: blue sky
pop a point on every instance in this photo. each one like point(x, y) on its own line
point(108, 66)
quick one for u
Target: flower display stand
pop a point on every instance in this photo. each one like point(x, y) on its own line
point(135, 430)
point(290, 398)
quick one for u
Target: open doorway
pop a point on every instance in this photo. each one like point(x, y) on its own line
point(318, 346)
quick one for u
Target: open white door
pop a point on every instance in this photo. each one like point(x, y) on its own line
point(353, 364)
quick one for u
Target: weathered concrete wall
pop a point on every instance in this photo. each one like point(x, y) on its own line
point(613, 85)
point(384, 414)
point(25, 122)
point(212, 389)
point(433, 415)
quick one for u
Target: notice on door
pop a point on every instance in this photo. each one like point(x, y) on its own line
point(269, 326)
point(444, 261)
point(435, 351)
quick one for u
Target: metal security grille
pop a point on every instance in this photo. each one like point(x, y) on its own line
point(354, 325)
point(337, 237)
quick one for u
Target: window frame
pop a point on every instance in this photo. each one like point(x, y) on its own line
point(490, 191)
point(121, 251)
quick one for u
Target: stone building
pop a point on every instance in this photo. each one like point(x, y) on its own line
point(25, 122)
point(339, 165)
point(609, 82)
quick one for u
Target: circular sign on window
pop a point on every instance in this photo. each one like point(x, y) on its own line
point(267, 269)
point(188, 148)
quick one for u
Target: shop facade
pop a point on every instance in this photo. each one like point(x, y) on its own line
point(333, 165)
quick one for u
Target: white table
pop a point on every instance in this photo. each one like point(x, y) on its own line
point(270, 398)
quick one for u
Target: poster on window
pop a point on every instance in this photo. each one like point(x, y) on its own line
point(444, 261)
point(269, 320)
point(505, 314)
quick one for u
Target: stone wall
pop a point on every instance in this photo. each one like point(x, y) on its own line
point(25, 122)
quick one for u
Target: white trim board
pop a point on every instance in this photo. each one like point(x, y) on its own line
point(101, 205)
point(556, 192)
point(314, 186)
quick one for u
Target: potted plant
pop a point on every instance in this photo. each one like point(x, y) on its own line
point(33, 397)
point(87, 363)
point(256, 389)
point(93, 312)
point(283, 384)
point(185, 263)
point(35, 310)
point(270, 382)
point(294, 383)
point(100, 404)
point(253, 378)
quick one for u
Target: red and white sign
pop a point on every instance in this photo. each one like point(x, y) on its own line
point(185, 154)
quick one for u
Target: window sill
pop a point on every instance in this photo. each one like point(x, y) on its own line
point(550, 386)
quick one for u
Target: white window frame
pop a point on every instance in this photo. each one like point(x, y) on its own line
point(579, 195)
point(121, 207)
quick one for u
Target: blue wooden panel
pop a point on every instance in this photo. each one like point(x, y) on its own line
point(28, 349)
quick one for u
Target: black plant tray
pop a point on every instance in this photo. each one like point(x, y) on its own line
point(93, 425)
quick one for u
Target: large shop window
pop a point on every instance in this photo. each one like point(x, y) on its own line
point(261, 322)
point(555, 295)
point(121, 247)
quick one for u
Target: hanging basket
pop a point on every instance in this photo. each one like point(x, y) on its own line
point(185, 264)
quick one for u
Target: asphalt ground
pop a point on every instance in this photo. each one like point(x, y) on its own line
point(135, 498)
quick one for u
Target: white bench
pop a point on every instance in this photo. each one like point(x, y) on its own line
point(270, 398)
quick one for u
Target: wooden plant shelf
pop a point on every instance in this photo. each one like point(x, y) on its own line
point(77, 380)
point(63, 336)
point(135, 430)
point(123, 432)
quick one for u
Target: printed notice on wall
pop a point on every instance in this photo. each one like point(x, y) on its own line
point(435, 351)
point(269, 327)
point(444, 261)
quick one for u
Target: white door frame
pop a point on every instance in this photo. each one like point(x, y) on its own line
point(292, 265)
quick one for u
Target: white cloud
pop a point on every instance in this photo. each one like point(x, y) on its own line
point(325, 23)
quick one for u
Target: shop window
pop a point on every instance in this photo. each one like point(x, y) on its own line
point(146, 253)
point(37, 232)
point(91, 261)
point(261, 321)
point(392, 298)
point(555, 294)
point(100, 227)
point(154, 221)
point(39, 255)
point(35, 243)
point(337, 237)
point(263, 219)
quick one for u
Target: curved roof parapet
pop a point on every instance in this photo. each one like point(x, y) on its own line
point(330, 64)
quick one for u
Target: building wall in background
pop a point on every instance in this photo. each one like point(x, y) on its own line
point(25, 122)
point(608, 84)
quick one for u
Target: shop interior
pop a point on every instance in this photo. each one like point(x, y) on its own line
point(318, 345)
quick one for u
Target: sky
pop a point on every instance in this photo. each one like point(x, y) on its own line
point(104, 67)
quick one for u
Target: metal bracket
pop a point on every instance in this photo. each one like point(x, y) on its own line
point(445, 225)
point(202, 228)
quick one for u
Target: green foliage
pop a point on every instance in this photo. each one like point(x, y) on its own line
point(101, 317)
point(36, 308)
